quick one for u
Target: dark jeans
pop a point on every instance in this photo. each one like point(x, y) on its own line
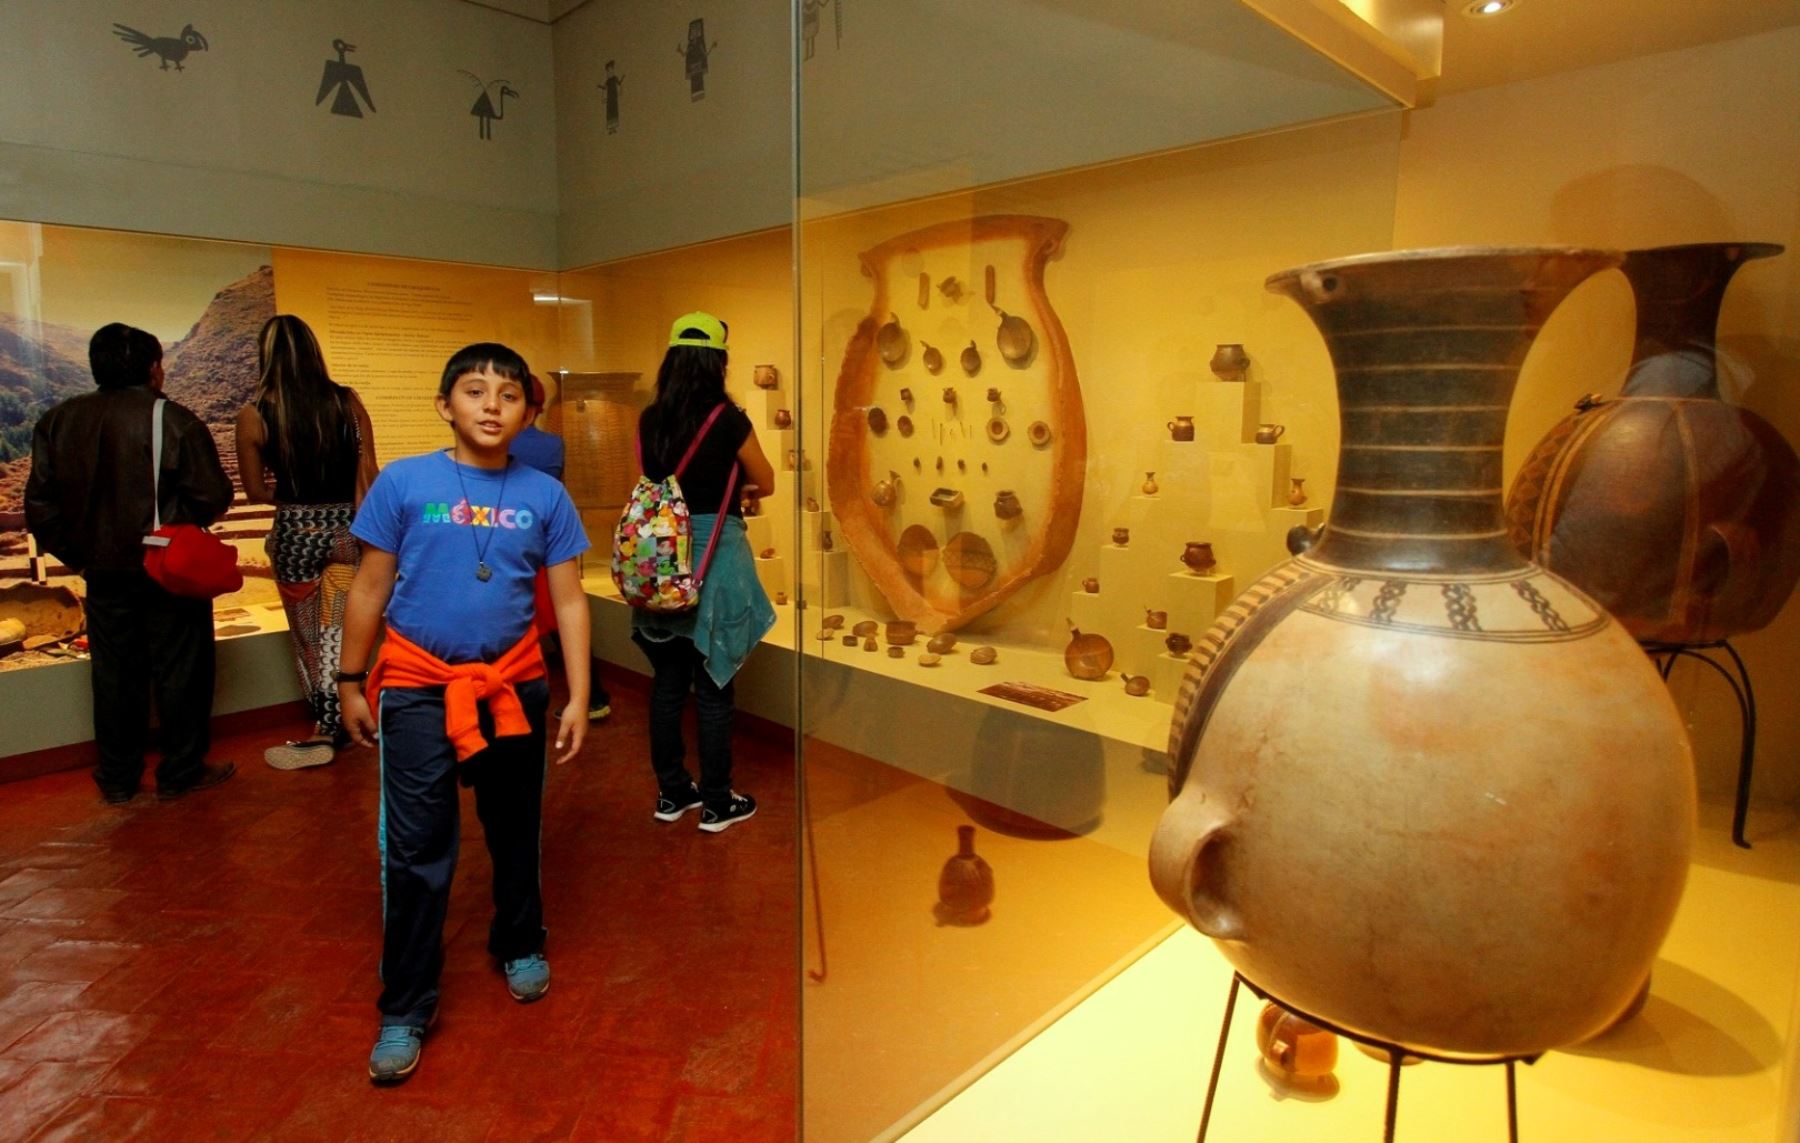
point(679, 670)
point(144, 640)
point(420, 834)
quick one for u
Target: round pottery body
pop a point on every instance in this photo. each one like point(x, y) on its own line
point(1294, 1047)
point(966, 884)
point(1680, 516)
point(1475, 839)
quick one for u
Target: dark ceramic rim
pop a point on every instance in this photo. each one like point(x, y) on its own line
point(1605, 258)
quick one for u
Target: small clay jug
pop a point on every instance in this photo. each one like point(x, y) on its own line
point(781, 599)
point(1087, 656)
point(783, 419)
point(1137, 686)
point(1230, 362)
point(885, 490)
point(1155, 620)
point(1121, 536)
point(1269, 434)
point(1091, 585)
point(993, 394)
point(1150, 486)
point(902, 632)
point(1006, 504)
point(1296, 490)
point(1177, 643)
point(1296, 1050)
point(1181, 429)
point(767, 554)
point(766, 377)
point(966, 886)
point(1198, 556)
point(825, 541)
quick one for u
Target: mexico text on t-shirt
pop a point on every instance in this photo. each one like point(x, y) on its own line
point(442, 520)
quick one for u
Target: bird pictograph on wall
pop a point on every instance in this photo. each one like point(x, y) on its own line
point(490, 106)
point(347, 79)
point(170, 49)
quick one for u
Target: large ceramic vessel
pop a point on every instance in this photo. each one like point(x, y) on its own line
point(1679, 513)
point(1424, 789)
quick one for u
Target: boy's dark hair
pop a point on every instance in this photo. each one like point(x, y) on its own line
point(122, 356)
point(489, 355)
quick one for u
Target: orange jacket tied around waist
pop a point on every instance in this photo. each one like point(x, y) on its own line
point(402, 663)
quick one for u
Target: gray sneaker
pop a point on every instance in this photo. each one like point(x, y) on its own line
point(396, 1053)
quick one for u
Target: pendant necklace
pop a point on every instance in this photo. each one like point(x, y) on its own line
point(482, 571)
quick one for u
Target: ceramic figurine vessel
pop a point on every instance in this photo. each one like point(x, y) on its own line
point(1269, 434)
point(1296, 491)
point(783, 419)
point(966, 885)
point(1121, 536)
point(1476, 837)
point(765, 376)
point(1149, 487)
point(1181, 429)
point(1177, 643)
point(1007, 506)
point(1155, 620)
point(1230, 362)
point(1091, 585)
point(1678, 513)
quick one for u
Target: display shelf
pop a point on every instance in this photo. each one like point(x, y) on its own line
point(1138, 650)
point(772, 573)
point(1165, 676)
point(825, 578)
point(1226, 413)
point(761, 531)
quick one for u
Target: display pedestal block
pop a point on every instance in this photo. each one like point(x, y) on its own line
point(1227, 413)
point(761, 532)
point(1139, 650)
point(825, 578)
point(1165, 675)
point(1196, 600)
point(814, 525)
point(772, 574)
point(1087, 611)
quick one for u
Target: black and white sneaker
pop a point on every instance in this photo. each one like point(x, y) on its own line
point(669, 809)
point(739, 808)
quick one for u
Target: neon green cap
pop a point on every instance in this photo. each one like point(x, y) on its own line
point(711, 330)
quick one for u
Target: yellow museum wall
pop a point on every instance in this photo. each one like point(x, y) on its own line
point(1699, 145)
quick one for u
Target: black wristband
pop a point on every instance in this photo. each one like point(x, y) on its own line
point(351, 676)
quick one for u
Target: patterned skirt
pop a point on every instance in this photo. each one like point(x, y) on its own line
point(315, 558)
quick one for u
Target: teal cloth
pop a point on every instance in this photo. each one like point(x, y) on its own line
point(734, 612)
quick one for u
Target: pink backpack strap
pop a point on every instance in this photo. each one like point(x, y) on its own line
point(718, 525)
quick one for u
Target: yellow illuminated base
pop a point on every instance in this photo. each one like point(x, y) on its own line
point(1703, 1061)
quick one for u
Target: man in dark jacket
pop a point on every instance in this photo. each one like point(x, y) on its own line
point(88, 502)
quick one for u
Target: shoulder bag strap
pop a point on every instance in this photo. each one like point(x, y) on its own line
point(698, 437)
point(718, 524)
point(156, 426)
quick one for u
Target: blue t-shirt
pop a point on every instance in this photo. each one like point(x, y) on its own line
point(418, 509)
point(541, 450)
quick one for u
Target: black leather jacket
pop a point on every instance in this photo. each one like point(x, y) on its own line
point(88, 498)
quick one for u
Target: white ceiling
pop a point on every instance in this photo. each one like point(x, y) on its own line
point(1538, 37)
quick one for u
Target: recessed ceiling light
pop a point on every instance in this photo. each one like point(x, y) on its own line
point(1488, 7)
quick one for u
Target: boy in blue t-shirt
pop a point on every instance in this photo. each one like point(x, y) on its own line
point(452, 542)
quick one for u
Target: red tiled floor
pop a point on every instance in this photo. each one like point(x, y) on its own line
point(205, 969)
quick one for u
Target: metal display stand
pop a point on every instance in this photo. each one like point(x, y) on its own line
point(1665, 655)
point(1395, 1054)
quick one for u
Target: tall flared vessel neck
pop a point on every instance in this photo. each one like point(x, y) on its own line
point(1679, 290)
point(1427, 347)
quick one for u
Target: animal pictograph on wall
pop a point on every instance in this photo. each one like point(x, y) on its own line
point(490, 105)
point(169, 49)
point(347, 80)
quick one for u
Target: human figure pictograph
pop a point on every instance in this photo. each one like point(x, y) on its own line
point(611, 86)
point(695, 53)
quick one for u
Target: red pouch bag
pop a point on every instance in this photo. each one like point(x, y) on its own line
point(184, 559)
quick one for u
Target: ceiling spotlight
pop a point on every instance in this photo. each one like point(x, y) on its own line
point(1488, 7)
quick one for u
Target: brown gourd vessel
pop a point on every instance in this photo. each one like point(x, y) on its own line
point(1679, 513)
point(1476, 837)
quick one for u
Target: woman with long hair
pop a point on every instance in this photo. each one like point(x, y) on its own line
point(313, 436)
point(699, 651)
